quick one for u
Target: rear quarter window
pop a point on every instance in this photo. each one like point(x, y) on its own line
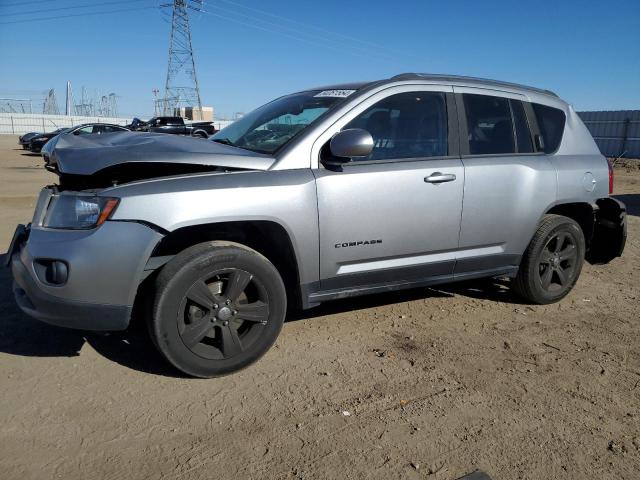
point(551, 124)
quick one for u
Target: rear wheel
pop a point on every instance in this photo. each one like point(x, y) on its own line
point(219, 307)
point(553, 261)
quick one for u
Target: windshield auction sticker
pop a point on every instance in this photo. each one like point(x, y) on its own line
point(334, 93)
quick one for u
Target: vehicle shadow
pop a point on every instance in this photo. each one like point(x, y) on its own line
point(31, 154)
point(22, 335)
point(632, 201)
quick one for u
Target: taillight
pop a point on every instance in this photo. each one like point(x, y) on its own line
point(610, 177)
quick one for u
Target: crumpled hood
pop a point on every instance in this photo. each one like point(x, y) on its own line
point(88, 154)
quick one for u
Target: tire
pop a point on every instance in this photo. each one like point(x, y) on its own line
point(194, 326)
point(552, 262)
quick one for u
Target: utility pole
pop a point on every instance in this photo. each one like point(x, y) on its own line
point(69, 100)
point(181, 87)
point(155, 101)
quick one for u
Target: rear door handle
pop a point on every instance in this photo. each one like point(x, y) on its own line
point(437, 177)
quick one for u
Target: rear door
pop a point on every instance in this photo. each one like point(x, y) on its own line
point(508, 185)
point(394, 216)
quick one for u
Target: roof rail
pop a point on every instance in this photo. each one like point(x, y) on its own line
point(460, 78)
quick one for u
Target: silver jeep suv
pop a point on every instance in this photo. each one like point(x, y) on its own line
point(328, 193)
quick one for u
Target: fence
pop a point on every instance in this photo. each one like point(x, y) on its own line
point(617, 133)
point(20, 123)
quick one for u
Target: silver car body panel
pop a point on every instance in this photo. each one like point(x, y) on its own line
point(287, 198)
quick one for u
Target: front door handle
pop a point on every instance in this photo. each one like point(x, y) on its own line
point(437, 177)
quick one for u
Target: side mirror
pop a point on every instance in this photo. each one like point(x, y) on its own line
point(353, 142)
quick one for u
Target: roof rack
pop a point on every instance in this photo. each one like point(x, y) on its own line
point(460, 78)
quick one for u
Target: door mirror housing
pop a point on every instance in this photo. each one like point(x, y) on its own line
point(350, 143)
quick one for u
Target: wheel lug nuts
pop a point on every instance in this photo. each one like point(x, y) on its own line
point(225, 323)
point(234, 312)
point(228, 302)
point(215, 306)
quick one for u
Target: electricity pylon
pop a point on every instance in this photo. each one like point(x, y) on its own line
point(50, 106)
point(181, 87)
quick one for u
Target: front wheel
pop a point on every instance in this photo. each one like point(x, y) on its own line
point(552, 262)
point(219, 307)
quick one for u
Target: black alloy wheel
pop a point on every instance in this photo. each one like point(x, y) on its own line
point(552, 262)
point(222, 314)
point(558, 261)
point(218, 307)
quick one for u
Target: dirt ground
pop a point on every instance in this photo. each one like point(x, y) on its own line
point(429, 383)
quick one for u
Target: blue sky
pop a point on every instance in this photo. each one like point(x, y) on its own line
point(586, 51)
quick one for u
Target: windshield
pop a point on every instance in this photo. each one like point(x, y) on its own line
point(269, 127)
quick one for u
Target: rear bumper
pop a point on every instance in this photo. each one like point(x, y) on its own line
point(105, 267)
point(609, 232)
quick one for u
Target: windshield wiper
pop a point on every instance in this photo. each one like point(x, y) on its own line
point(224, 141)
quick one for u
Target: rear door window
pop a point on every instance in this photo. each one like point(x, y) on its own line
point(551, 124)
point(489, 125)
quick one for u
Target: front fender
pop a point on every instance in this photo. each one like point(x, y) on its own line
point(284, 197)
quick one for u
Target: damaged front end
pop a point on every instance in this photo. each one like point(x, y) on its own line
point(101, 161)
point(127, 173)
point(609, 231)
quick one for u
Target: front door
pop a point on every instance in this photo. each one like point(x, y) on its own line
point(394, 217)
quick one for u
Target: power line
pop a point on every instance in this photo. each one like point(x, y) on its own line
point(309, 25)
point(21, 4)
point(341, 49)
point(282, 27)
point(71, 7)
point(80, 15)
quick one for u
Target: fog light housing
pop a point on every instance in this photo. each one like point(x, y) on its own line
point(51, 272)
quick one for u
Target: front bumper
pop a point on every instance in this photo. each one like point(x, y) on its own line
point(105, 267)
point(63, 312)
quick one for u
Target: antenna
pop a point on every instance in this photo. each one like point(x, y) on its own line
point(181, 87)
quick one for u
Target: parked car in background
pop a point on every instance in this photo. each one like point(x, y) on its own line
point(24, 140)
point(177, 126)
point(138, 125)
point(39, 141)
point(324, 194)
point(84, 129)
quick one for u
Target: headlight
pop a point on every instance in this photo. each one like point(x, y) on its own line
point(79, 212)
